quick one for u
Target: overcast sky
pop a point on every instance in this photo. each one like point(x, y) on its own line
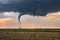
point(34, 13)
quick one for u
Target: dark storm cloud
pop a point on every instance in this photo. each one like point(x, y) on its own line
point(32, 7)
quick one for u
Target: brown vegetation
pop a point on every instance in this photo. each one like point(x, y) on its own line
point(29, 36)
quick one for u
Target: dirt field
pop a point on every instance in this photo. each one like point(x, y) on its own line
point(29, 35)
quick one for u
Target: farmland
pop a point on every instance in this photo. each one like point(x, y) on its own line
point(19, 34)
point(30, 30)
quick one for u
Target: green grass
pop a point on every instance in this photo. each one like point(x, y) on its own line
point(30, 30)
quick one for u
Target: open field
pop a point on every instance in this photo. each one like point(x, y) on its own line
point(30, 30)
point(29, 34)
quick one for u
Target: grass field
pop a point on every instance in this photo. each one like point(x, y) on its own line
point(31, 30)
point(29, 34)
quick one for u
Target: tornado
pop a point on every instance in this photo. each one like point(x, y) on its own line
point(19, 17)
